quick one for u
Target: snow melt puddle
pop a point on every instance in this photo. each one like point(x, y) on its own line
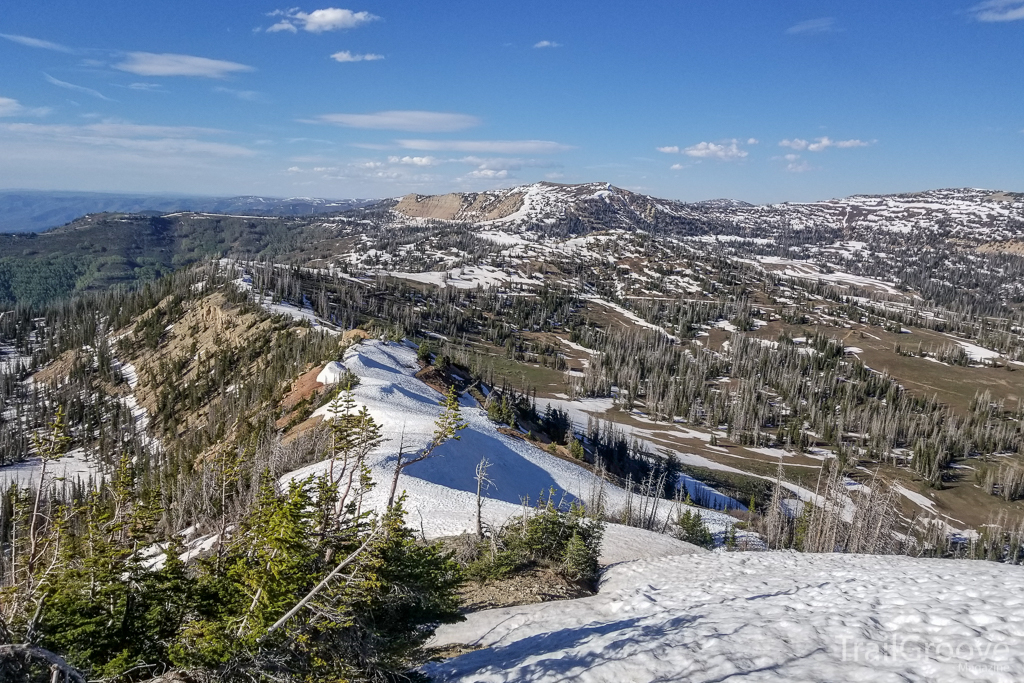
point(771, 616)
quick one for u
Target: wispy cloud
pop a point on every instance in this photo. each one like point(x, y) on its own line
point(142, 139)
point(36, 42)
point(999, 10)
point(346, 56)
point(148, 87)
point(503, 163)
point(319, 21)
point(77, 88)
point(821, 144)
point(486, 146)
point(166, 64)
point(546, 43)
point(727, 150)
point(9, 107)
point(244, 95)
point(811, 26)
point(795, 164)
point(12, 107)
point(412, 121)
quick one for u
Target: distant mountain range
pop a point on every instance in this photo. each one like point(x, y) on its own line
point(35, 211)
point(965, 212)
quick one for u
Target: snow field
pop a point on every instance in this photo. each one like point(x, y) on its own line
point(74, 466)
point(771, 616)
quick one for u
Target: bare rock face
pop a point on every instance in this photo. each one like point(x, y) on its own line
point(461, 206)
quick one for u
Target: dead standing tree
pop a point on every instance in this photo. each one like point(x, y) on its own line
point(447, 427)
point(482, 484)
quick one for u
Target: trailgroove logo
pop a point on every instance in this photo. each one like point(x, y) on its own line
point(971, 656)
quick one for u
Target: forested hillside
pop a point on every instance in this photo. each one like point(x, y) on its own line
point(37, 211)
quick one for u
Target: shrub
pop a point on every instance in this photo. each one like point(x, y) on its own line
point(564, 539)
point(690, 527)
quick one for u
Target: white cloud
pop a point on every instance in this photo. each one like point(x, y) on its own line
point(488, 173)
point(414, 161)
point(547, 43)
point(811, 26)
point(283, 26)
point(145, 86)
point(12, 107)
point(795, 164)
point(319, 21)
point(152, 64)
point(9, 107)
point(821, 144)
point(36, 42)
point(346, 56)
point(486, 146)
point(729, 151)
point(76, 88)
point(412, 121)
point(999, 10)
point(676, 167)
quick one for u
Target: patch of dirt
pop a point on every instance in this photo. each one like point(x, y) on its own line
point(58, 370)
point(301, 428)
point(537, 584)
point(355, 334)
point(434, 379)
point(1005, 247)
point(514, 433)
point(441, 380)
point(204, 326)
point(304, 387)
point(437, 654)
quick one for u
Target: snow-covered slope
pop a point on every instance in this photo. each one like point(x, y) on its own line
point(775, 616)
point(442, 490)
point(963, 213)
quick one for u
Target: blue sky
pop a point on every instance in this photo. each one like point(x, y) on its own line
point(782, 101)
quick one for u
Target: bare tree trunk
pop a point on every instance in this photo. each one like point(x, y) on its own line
point(481, 482)
point(30, 652)
point(320, 586)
